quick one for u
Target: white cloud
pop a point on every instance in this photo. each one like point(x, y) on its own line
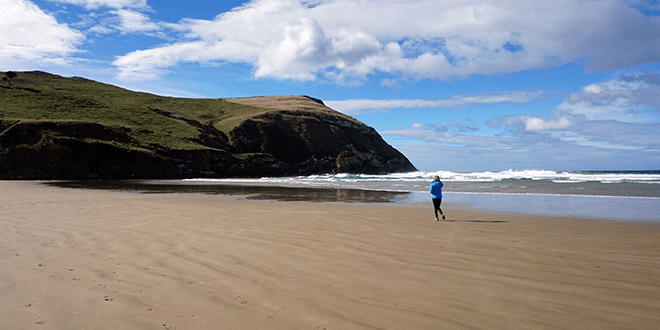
point(133, 21)
point(532, 123)
point(417, 126)
point(584, 141)
point(149, 64)
point(431, 134)
point(588, 141)
point(541, 124)
point(438, 134)
point(29, 35)
point(528, 123)
point(98, 29)
point(455, 102)
point(615, 115)
point(346, 40)
point(94, 4)
point(593, 89)
point(614, 122)
point(302, 51)
point(349, 41)
point(632, 98)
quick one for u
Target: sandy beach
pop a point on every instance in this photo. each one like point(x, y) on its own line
point(88, 259)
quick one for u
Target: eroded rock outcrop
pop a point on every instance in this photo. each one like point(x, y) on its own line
point(53, 127)
point(309, 143)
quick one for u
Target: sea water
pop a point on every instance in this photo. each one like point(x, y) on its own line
point(615, 195)
point(619, 195)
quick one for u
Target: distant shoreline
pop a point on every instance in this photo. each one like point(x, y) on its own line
point(633, 208)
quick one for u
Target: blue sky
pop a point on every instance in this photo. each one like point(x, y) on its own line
point(455, 85)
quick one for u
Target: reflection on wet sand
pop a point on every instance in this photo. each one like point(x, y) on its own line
point(251, 192)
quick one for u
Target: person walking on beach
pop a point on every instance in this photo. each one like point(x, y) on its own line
point(436, 194)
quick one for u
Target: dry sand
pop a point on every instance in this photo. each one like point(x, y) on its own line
point(79, 259)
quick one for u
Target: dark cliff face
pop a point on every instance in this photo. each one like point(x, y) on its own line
point(275, 144)
point(319, 143)
point(67, 151)
point(48, 132)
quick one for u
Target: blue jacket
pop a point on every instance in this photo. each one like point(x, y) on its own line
point(436, 189)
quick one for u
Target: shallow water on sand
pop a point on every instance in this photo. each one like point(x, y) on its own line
point(603, 207)
point(600, 207)
point(250, 192)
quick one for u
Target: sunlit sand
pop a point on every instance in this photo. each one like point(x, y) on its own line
point(87, 259)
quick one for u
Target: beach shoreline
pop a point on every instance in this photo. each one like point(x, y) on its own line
point(96, 259)
point(560, 203)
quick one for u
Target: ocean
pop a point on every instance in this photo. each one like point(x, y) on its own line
point(613, 195)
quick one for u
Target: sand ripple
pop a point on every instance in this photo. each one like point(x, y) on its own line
point(74, 259)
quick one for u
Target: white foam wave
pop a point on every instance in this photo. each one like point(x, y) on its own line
point(447, 176)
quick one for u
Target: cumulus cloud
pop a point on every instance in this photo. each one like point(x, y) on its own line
point(532, 123)
point(633, 98)
point(348, 40)
point(540, 124)
point(583, 141)
point(603, 117)
point(417, 126)
point(29, 34)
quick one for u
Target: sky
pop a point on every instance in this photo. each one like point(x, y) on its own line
point(455, 85)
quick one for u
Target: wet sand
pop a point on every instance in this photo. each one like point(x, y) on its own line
point(93, 259)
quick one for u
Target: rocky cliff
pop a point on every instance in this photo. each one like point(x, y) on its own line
point(53, 127)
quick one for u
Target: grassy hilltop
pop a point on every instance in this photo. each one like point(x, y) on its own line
point(57, 127)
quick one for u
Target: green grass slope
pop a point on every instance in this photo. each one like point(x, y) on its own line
point(148, 118)
point(58, 127)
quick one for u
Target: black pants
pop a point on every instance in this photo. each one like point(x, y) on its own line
point(436, 206)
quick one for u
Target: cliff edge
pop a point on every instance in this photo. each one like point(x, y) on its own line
point(52, 127)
